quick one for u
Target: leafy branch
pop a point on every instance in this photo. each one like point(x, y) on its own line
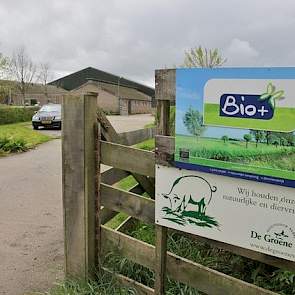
point(271, 95)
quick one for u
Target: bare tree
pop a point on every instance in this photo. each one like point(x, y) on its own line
point(44, 76)
point(4, 63)
point(203, 58)
point(23, 70)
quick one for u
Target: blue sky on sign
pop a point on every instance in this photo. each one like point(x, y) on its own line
point(190, 91)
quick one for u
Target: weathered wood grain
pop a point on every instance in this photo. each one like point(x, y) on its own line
point(147, 183)
point(97, 135)
point(165, 84)
point(160, 259)
point(163, 128)
point(110, 135)
point(140, 288)
point(133, 249)
point(128, 158)
point(165, 148)
point(78, 184)
point(107, 130)
point(193, 274)
point(132, 204)
point(136, 136)
point(163, 109)
point(107, 214)
point(113, 175)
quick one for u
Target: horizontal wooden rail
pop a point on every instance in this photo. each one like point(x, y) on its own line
point(178, 268)
point(113, 175)
point(140, 288)
point(136, 136)
point(132, 204)
point(128, 158)
point(107, 214)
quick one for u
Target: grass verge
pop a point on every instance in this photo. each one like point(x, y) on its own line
point(260, 274)
point(18, 137)
point(103, 284)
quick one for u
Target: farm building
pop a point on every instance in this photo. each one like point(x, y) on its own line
point(116, 95)
point(36, 93)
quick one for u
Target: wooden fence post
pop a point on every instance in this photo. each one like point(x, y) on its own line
point(163, 108)
point(79, 173)
point(97, 137)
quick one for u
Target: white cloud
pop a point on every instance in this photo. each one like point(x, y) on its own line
point(241, 52)
point(133, 38)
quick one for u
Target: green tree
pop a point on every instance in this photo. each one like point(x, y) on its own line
point(203, 58)
point(275, 140)
point(193, 121)
point(259, 135)
point(224, 138)
point(267, 135)
point(286, 138)
point(283, 141)
point(247, 137)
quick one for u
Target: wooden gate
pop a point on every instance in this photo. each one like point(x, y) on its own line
point(90, 199)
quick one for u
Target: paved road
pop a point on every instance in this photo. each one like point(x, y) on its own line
point(31, 247)
point(31, 244)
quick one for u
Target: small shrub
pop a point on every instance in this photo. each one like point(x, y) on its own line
point(13, 145)
point(3, 141)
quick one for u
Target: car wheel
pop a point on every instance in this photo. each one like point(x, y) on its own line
point(35, 127)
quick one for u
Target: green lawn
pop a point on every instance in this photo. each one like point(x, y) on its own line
point(265, 159)
point(22, 132)
point(277, 123)
point(147, 145)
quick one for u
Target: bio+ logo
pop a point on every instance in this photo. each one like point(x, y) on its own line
point(252, 106)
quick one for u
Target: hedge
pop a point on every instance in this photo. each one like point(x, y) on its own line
point(15, 114)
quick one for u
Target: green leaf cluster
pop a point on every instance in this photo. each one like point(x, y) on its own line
point(203, 58)
point(272, 95)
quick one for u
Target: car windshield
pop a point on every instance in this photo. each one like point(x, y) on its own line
point(51, 108)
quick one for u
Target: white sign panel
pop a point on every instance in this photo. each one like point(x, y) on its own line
point(248, 214)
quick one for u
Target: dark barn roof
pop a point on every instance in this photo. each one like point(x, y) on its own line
point(79, 78)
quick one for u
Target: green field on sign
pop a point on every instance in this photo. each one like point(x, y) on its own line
point(263, 159)
point(277, 123)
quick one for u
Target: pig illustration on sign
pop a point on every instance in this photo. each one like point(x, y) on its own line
point(188, 198)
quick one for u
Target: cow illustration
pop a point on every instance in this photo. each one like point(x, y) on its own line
point(190, 193)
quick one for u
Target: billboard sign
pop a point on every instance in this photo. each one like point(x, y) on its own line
point(237, 122)
point(248, 214)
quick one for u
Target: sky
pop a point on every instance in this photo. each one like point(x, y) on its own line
point(132, 38)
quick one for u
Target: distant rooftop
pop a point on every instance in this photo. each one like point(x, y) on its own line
point(79, 78)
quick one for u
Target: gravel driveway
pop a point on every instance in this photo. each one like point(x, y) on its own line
point(31, 230)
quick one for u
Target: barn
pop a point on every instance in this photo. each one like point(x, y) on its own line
point(116, 95)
